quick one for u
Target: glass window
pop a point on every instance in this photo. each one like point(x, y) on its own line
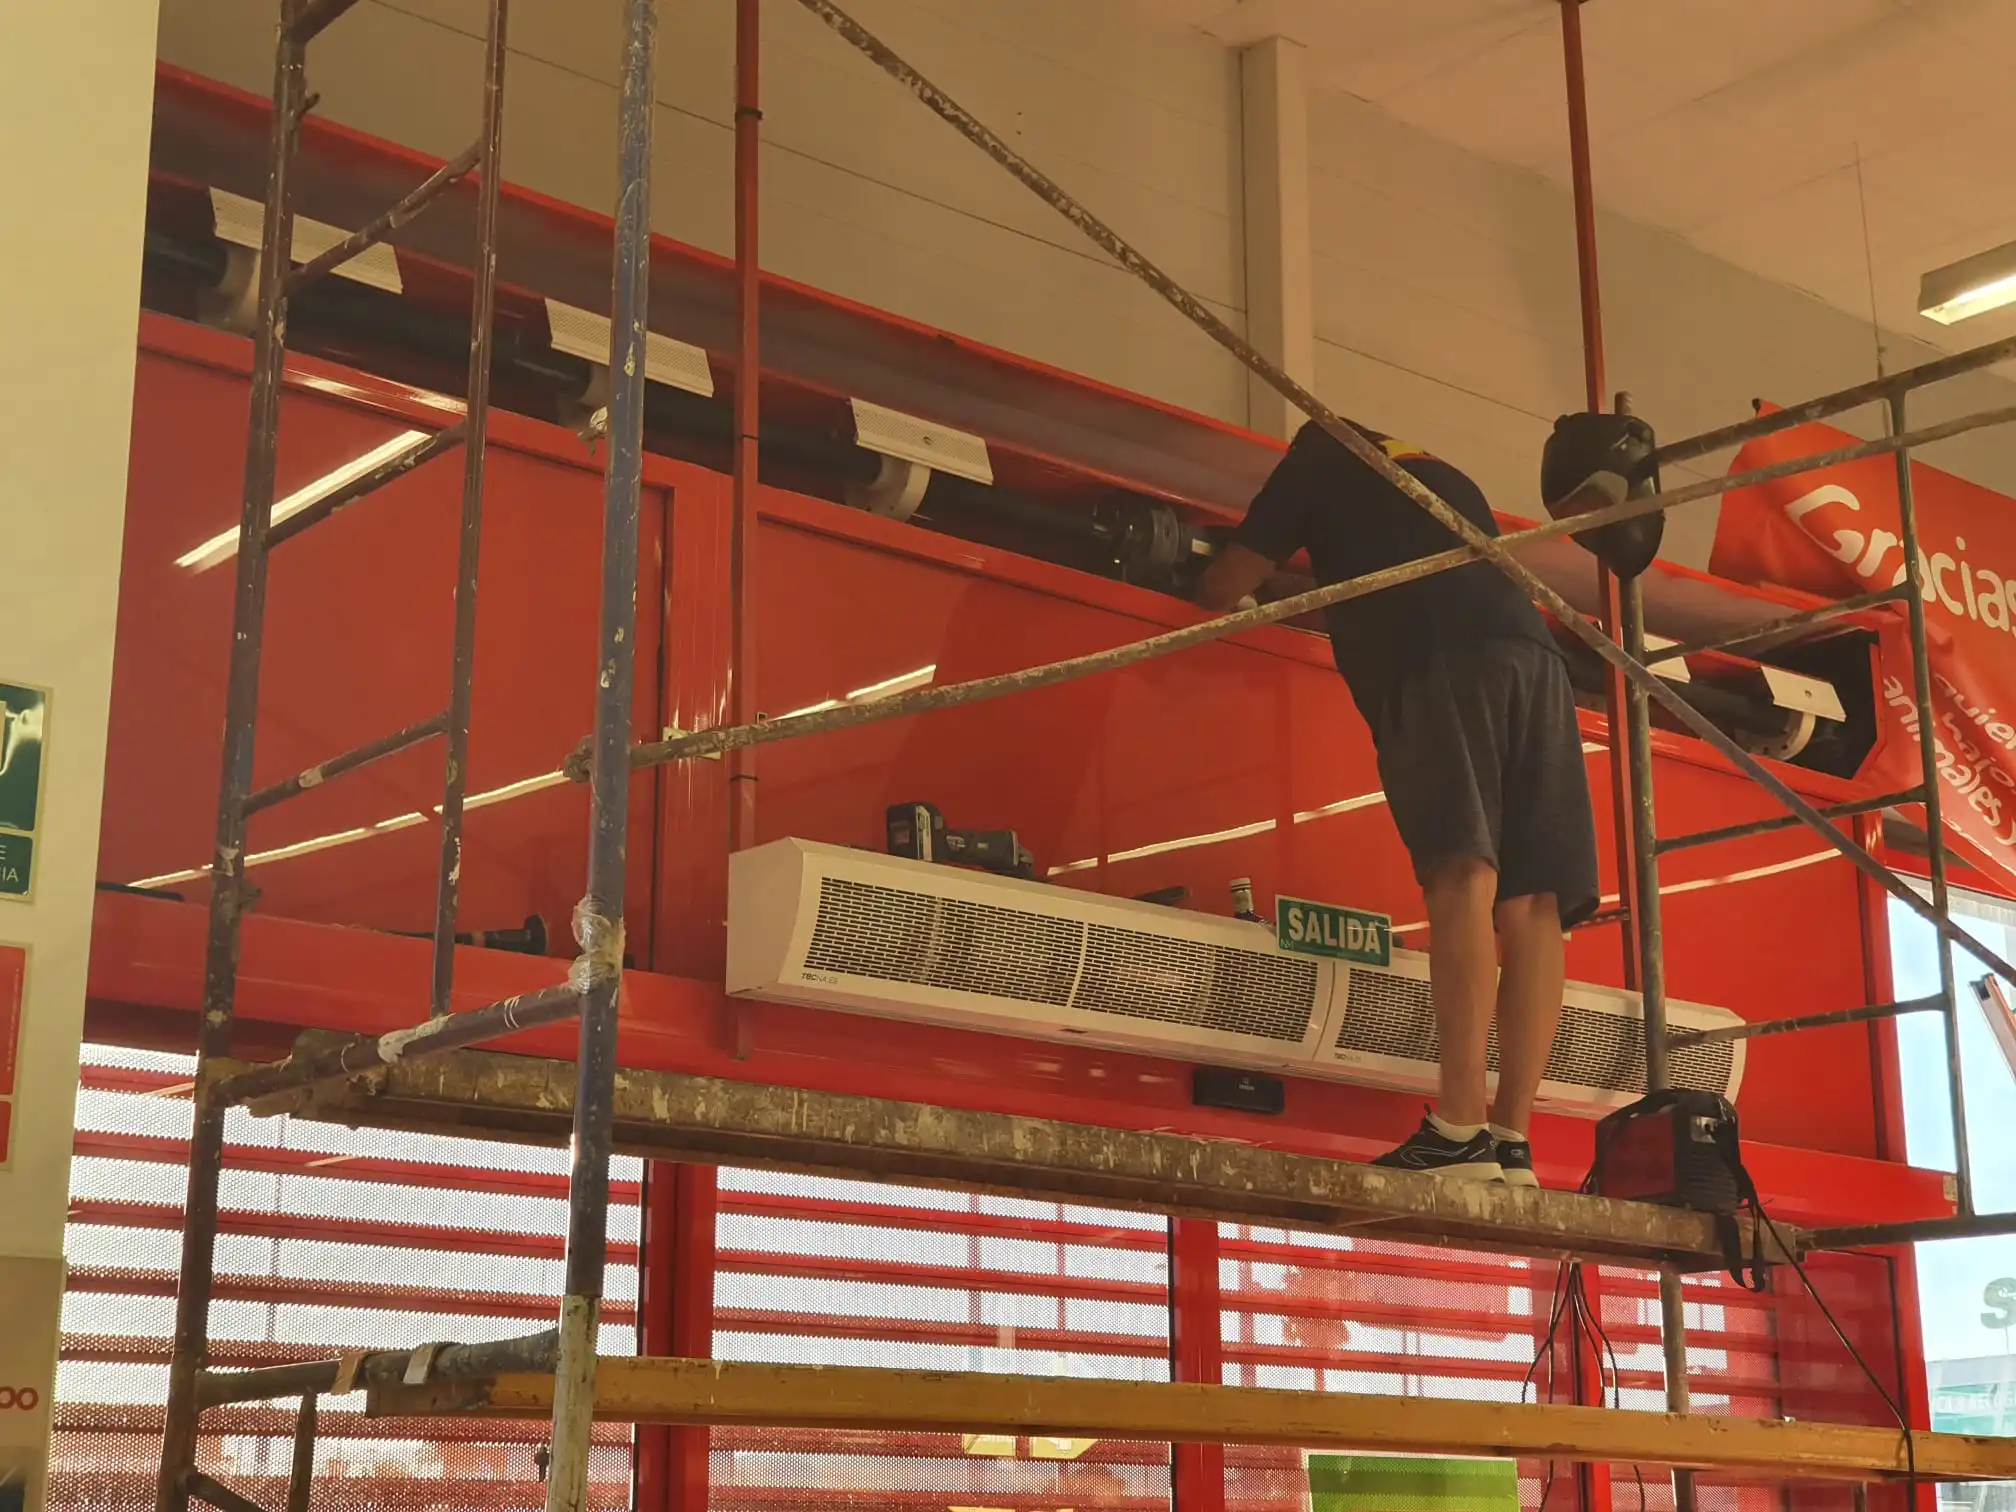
point(1967, 1287)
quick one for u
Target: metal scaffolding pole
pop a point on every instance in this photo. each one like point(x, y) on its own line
point(1935, 828)
point(469, 533)
point(237, 801)
point(241, 710)
point(598, 920)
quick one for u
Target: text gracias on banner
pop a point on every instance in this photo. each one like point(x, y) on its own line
point(1834, 532)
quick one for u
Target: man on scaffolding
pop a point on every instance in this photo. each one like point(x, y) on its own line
point(1473, 716)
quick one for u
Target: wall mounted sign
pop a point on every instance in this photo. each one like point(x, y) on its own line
point(24, 719)
point(1341, 934)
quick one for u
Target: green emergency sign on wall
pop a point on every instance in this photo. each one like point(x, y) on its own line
point(24, 719)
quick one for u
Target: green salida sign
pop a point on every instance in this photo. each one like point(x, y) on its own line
point(1341, 934)
point(23, 719)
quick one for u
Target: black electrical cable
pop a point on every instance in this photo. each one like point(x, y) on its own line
point(1896, 1407)
point(1557, 1309)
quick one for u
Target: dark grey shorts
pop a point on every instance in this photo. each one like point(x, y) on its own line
point(1481, 756)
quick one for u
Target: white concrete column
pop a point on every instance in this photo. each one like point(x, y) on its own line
point(76, 98)
point(1280, 313)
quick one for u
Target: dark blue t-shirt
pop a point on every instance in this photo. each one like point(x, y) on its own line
point(1322, 499)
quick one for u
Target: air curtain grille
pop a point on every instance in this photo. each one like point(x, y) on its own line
point(1148, 976)
point(1389, 1014)
point(890, 935)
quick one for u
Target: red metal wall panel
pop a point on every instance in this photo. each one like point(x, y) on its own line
point(359, 623)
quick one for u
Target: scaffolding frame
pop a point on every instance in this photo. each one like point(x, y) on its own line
point(566, 1355)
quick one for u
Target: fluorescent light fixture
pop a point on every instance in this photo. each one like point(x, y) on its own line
point(584, 334)
point(1341, 806)
point(818, 708)
point(889, 687)
point(511, 790)
point(397, 822)
point(1191, 842)
point(1973, 286)
point(1074, 866)
point(938, 447)
point(242, 223)
point(222, 547)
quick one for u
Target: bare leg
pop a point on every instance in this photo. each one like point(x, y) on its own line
point(1529, 1002)
point(1463, 972)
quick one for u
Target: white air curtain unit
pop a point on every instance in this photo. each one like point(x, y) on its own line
point(1382, 1034)
point(840, 928)
point(837, 928)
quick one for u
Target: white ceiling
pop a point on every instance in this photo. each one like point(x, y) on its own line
point(1735, 123)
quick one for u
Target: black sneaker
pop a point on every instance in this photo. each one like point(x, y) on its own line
point(1426, 1150)
point(1515, 1159)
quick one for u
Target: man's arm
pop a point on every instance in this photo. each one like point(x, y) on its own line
point(1275, 528)
point(1236, 572)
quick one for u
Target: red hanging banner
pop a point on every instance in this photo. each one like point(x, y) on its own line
point(1834, 533)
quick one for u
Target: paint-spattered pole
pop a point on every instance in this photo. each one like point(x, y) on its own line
point(743, 535)
point(462, 662)
point(228, 896)
point(1935, 824)
point(598, 921)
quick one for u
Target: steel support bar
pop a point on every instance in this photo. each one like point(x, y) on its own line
point(1916, 1231)
point(744, 532)
point(241, 705)
point(1779, 631)
point(344, 1058)
point(350, 761)
point(1651, 938)
point(1645, 846)
point(432, 188)
point(301, 1474)
point(1790, 821)
point(311, 1378)
point(1935, 833)
point(209, 1489)
point(853, 1397)
point(1767, 1027)
point(598, 918)
point(469, 547)
point(1838, 402)
point(444, 440)
point(1475, 541)
point(667, 1116)
point(1595, 389)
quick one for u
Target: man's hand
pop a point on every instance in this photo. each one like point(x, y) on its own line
point(1235, 574)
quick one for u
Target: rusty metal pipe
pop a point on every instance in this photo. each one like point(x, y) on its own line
point(744, 531)
point(349, 761)
point(469, 546)
point(228, 895)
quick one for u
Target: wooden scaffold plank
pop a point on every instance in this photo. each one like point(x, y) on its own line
point(669, 1116)
point(843, 1397)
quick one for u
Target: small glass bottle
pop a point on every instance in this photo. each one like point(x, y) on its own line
point(1242, 900)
